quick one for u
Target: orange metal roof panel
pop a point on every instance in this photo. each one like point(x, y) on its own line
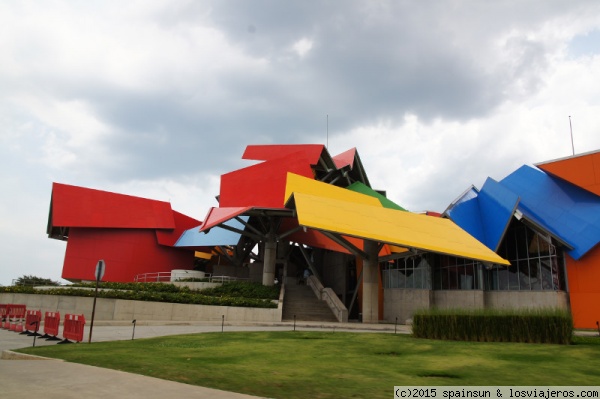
point(580, 170)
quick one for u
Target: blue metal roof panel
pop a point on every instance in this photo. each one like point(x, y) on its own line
point(565, 210)
point(215, 236)
point(497, 205)
point(465, 213)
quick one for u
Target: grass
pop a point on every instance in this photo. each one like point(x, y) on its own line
point(333, 365)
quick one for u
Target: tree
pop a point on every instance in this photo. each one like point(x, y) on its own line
point(34, 280)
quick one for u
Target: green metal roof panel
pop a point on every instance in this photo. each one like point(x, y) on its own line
point(364, 189)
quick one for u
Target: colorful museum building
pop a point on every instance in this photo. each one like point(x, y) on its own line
point(528, 240)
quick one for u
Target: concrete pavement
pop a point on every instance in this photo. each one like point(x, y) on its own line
point(27, 376)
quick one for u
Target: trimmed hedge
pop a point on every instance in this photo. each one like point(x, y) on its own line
point(552, 326)
point(240, 294)
point(244, 289)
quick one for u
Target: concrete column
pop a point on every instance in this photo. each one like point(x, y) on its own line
point(370, 293)
point(269, 260)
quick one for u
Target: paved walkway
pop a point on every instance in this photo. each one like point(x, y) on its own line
point(49, 378)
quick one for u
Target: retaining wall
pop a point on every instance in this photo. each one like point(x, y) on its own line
point(108, 309)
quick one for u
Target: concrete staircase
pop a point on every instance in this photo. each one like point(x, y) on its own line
point(301, 301)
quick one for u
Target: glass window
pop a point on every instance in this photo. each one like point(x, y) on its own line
point(534, 262)
point(451, 273)
point(411, 272)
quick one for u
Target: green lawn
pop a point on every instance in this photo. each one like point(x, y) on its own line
point(336, 364)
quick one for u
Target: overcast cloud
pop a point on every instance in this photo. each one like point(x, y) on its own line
point(159, 98)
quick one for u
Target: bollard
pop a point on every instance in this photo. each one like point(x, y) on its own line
point(222, 322)
point(35, 323)
point(133, 333)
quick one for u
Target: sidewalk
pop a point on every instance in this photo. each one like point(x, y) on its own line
point(49, 378)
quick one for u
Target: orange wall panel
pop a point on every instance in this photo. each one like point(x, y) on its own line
point(584, 289)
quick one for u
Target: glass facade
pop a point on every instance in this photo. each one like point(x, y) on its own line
point(536, 265)
point(411, 272)
point(451, 273)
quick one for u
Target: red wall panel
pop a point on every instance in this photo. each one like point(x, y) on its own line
point(127, 252)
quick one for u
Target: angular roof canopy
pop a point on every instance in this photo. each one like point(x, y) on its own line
point(582, 170)
point(351, 160)
point(561, 208)
point(80, 207)
point(364, 189)
point(336, 210)
point(485, 214)
point(73, 206)
point(551, 204)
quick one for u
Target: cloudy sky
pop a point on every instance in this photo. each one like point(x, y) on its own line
point(159, 98)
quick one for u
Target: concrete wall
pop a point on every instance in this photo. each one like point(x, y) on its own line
point(526, 299)
point(124, 310)
point(402, 303)
point(460, 299)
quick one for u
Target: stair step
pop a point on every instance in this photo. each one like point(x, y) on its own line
point(300, 301)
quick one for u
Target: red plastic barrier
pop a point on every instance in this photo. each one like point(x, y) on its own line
point(33, 319)
point(3, 314)
point(73, 327)
point(15, 314)
point(51, 324)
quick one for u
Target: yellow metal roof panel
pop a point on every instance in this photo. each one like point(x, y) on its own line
point(390, 226)
point(300, 184)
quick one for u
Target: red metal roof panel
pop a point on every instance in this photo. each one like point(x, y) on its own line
point(268, 152)
point(74, 206)
point(262, 185)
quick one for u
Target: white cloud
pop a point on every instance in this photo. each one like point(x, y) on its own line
point(302, 47)
point(157, 98)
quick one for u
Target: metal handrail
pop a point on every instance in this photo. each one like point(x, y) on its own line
point(172, 277)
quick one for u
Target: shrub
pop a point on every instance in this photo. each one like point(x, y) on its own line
point(234, 294)
point(244, 289)
point(526, 325)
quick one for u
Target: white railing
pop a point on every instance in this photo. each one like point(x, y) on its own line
point(179, 275)
point(174, 275)
point(329, 296)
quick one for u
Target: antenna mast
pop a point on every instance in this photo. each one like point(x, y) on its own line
point(327, 143)
point(571, 127)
